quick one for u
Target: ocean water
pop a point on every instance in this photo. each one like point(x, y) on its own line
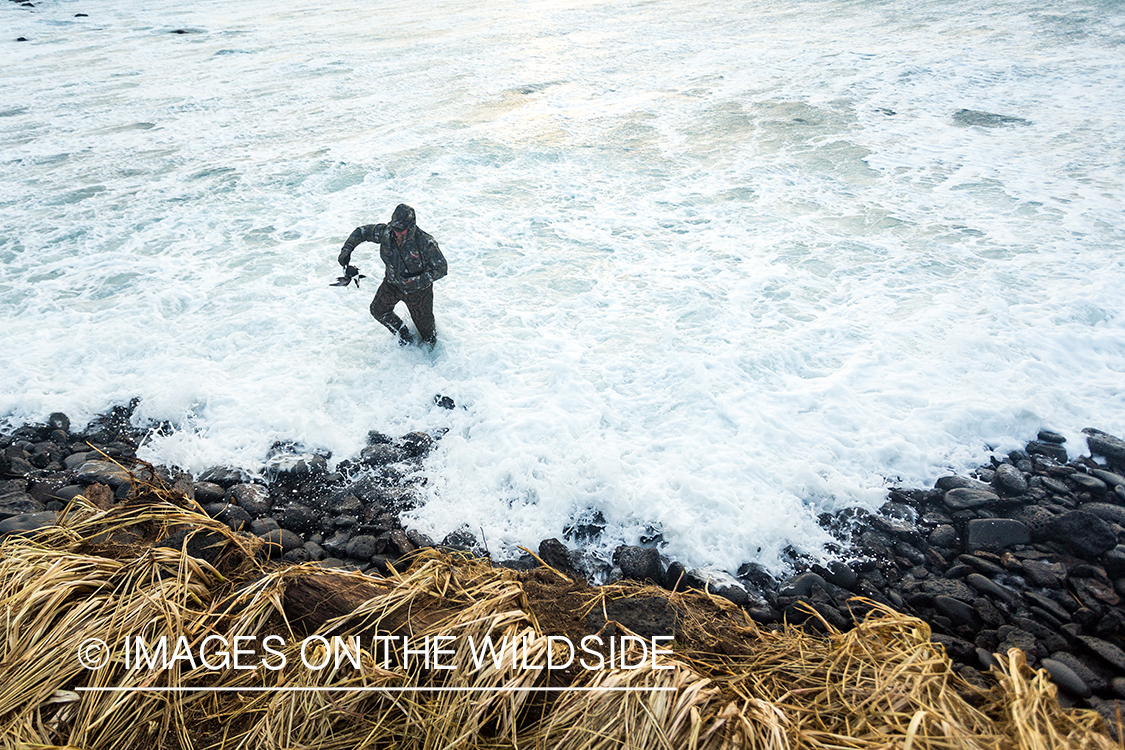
point(715, 267)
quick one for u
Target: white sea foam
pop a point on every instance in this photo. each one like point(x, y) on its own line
point(715, 268)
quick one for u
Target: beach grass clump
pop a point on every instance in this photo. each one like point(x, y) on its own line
point(260, 654)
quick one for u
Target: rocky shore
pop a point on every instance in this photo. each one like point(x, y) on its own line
point(1028, 552)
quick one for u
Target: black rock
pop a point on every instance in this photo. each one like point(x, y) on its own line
point(338, 542)
point(382, 454)
point(1044, 574)
point(224, 476)
point(1051, 450)
point(1083, 533)
point(27, 522)
point(461, 539)
point(263, 526)
point(203, 545)
point(297, 555)
point(1105, 650)
point(956, 610)
point(963, 498)
point(361, 547)
point(59, 421)
point(639, 563)
point(646, 616)
point(232, 515)
point(445, 402)
point(944, 536)
point(1114, 561)
point(1104, 444)
point(104, 472)
point(253, 498)
point(417, 444)
point(991, 589)
point(996, 533)
point(298, 517)
point(208, 492)
point(555, 554)
point(1105, 511)
point(1009, 480)
point(1048, 605)
point(418, 539)
point(1087, 483)
point(802, 585)
point(956, 589)
point(838, 574)
point(677, 578)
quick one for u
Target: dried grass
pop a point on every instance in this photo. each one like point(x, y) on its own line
point(883, 684)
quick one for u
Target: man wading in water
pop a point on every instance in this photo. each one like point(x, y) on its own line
point(414, 262)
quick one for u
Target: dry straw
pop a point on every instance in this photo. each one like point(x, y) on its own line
point(97, 574)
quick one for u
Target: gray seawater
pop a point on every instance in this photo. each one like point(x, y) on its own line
point(715, 267)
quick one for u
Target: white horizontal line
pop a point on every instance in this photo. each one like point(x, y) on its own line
point(374, 689)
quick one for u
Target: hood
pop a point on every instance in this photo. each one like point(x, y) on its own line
point(402, 218)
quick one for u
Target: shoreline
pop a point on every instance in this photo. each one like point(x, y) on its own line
point(1028, 552)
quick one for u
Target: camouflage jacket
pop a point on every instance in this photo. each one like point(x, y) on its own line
point(415, 265)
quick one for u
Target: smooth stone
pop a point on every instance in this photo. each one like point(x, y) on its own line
point(264, 526)
point(802, 585)
point(208, 492)
point(1083, 672)
point(1009, 480)
point(962, 498)
point(1114, 561)
point(1089, 483)
point(224, 476)
point(944, 536)
point(956, 610)
point(298, 517)
point(1049, 436)
point(27, 522)
point(1066, 678)
point(954, 481)
point(1050, 606)
point(1110, 478)
point(103, 472)
point(291, 540)
point(234, 517)
point(838, 574)
point(75, 461)
point(991, 588)
point(996, 533)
